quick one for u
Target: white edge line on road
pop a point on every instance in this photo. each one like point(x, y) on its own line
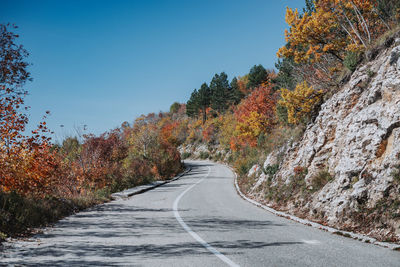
point(194, 234)
point(356, 236)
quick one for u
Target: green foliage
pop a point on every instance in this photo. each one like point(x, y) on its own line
point(286, 75)
point(237, 95)
point(219, 96)
point(19, 213)
point(320, 180)
point(282, 113)
point(174, 107)
point(351, 60)
point(218, 156)
point(270, 170)
point(221, 92)
point(71, 148)
point(257, 75)
point(192, 106)
point(389, 10)
point(204, 155)
point(204, 100)
point(244, 159)
point(310, 7)
point(396, 175)
point(186, 155)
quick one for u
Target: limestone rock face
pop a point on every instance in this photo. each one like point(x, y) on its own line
point(356, 138)
point(254, 170)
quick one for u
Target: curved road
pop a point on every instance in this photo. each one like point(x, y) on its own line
point(198, 220)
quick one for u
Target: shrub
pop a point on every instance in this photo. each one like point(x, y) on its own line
point(245, 159)
point(351, 60)
point(320, 180)
point(270, 170)
point(396, 175)
point(204, 155)
point(186, 155)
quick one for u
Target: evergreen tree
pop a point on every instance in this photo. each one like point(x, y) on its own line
point(192, 106)
point(204, 99)
point(237, 95)
point(174, 107)
point(221, 92)
point(285, 78)
point(257, 75)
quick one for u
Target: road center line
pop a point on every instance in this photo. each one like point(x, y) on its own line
point(191, 232)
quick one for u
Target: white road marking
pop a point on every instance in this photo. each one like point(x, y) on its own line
point(192, 233)
point(311, 242)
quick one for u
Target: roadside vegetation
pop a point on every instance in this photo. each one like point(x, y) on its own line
point(240, 120)
point(40, 181)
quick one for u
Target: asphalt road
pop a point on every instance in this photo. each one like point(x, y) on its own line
point(198, 220)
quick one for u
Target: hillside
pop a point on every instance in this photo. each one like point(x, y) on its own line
point(345, 169)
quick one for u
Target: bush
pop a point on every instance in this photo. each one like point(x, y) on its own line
point(320, 180)
point(245, 159)
point(186, 155)
point(218, 156)
point(282, 114)
point(270, 170)
point(396, 175)
point(351, 60)
point(204, 155)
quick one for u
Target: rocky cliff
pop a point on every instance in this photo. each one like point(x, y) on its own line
point(349, 157)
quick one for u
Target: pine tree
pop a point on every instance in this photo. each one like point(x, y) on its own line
point(237, 95)
point(192, 106)
point(203, 100)
point(257, 75)
point(220, 92)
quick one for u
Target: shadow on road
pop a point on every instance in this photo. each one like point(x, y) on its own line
point(123, 233)
point(88, 254)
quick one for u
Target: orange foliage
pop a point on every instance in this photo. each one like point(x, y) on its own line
point(255, 115)
point(27, 165)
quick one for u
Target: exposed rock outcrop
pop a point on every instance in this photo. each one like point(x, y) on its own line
point(355, 139)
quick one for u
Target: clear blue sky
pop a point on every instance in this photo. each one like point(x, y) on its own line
point(101, 63)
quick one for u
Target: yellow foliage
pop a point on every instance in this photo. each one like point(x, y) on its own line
point(300, 102)
point(251, 126)
point(227, 129)
point(336, 26)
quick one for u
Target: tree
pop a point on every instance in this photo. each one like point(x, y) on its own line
point(13, 67)
point(204, 100)
point(286, 75)
point(221, 93)
point(192, 106)
point(301, 102)
point(257, 75)
point(237, 94)
point(255, 114)
point(330, 28)
point(174, 107)
point(27, 164)
point(388, 11)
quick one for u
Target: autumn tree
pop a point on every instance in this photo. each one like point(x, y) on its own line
point(301, 102)
point(255, 114)
point(13, 65)
point(27, 165)
point(329, 30)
